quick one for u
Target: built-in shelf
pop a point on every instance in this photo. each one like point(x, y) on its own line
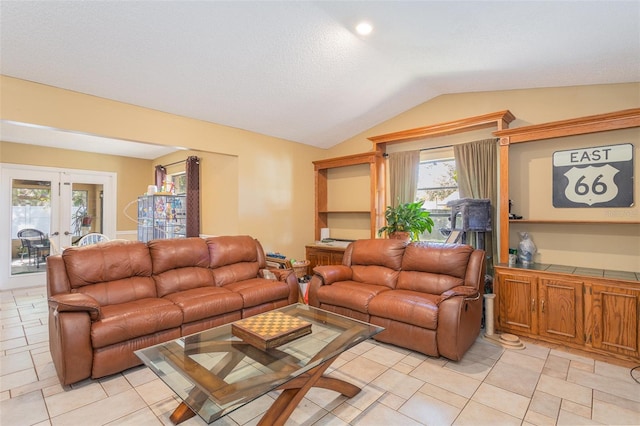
point(323, 214)
point(577, 126)
point(575, 222)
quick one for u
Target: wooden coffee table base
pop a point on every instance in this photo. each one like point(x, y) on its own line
point(292, 393)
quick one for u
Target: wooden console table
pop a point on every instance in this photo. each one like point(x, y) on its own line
point(322, 254)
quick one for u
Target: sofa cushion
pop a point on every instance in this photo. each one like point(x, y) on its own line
point(205, 302)
point(409, 307)
point(125, 264)
point(257, 291)
point(383, 252)
point(121, 291)
point(178, 253)
point(126, 321)
point(234, 258)
point(376, 275)
point(181, 279)
point(180, 264)
point(229, 250)
point(434, 267)
point(376, 261)
point(350, 294)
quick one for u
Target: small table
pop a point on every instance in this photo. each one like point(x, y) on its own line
point(41, 250)
point(215, 372)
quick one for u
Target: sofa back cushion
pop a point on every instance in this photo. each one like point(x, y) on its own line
point(434, 267)
point(234, 258)
point(111, 272)
point(376, 261)
point(180, 264)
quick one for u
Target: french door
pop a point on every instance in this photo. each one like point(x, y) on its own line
point(46, 209)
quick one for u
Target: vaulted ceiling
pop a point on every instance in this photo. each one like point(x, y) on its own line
point(298, 70)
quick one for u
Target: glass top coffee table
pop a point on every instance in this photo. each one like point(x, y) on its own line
point(215, 372)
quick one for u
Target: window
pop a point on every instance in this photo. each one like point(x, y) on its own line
point(437, 185)
point(31, 205)
point(179, 182)
point(79, 211)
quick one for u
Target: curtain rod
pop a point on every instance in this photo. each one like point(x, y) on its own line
point(173, 164)
point(436, 147)
point(386, 155)
point(178, 162)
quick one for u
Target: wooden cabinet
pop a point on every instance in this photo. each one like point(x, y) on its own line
point(561, 307)
point(615, 321)
point(323, 255)
point(533, 305)
point(598, 315)
point(517, 303)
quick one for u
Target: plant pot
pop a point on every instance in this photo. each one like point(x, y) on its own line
point(404, 236)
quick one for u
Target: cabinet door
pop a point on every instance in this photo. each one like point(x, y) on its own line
point(517, 310)
point(312, 257)
point(318, 257)
point(323, 257)
point(615, 319)
point(336, 258)
point(560, 304)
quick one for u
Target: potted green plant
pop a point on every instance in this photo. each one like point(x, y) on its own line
point(406, 221)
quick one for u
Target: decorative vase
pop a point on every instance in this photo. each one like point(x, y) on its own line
point(526, 249)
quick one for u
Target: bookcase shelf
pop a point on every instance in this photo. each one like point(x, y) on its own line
point(324, 212)
point(558, 129)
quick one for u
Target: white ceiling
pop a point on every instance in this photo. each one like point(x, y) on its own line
point(46, 136)
point(296, 70)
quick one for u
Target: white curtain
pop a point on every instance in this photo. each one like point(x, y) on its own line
point(477, 167)
point(403, 176)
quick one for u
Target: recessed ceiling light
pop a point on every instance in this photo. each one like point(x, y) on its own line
point(364, 28)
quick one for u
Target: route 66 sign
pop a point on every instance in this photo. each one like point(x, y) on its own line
point(593, 177)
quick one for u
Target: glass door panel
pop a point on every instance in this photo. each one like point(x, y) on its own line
point(30, 224)
point(87, 210)
point(58, 207)
point(29, 207)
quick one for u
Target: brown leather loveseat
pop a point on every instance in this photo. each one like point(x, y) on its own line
point(110, 299)
point(426, 295)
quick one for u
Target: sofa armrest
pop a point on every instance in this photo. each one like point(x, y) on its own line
point(325, 275)
point(469, 293)
point(76, 302)
point(459, 320)
point(332, 273)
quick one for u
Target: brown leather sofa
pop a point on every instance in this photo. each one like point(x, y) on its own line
point(110, 299)
point(426, 295)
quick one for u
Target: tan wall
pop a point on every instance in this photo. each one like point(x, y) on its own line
point(273, 178)
point(614, 246)
point(530, 106)
point(218, 189)
point(266, 187)
point(610, 246)
point(132, 172)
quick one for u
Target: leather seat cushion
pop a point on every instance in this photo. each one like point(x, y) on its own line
point(406, 306)
point(130, 320)
point(350, 294)
point(256, 291)
point(204, 302)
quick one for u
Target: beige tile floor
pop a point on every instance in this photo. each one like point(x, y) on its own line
point(539, 385)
